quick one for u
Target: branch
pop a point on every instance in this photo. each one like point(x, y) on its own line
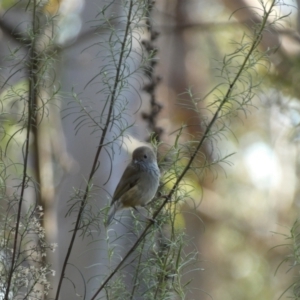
point(32, 96)
point(100, 146)
point(17, 36)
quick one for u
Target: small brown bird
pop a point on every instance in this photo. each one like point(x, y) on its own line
point(139, 182)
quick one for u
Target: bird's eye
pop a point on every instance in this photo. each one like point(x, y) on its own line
point(145, 156)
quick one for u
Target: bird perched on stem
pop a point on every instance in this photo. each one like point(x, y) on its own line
point(139, 182)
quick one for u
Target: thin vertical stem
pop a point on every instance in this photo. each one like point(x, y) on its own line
point(111, 100)
point(31, 99)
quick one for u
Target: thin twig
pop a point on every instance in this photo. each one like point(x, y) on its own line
point(135, 284)
point(100, 147)
point(32, 95)
point(18, 37)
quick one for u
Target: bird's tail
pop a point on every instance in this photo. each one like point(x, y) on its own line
point(111, 213)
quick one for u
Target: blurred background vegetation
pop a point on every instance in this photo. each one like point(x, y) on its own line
point(245, 204)
point(241, 213)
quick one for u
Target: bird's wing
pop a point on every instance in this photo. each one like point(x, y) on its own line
point(126, 184)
